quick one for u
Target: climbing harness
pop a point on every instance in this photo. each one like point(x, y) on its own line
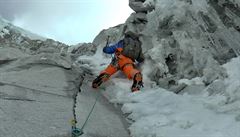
point(76, 132)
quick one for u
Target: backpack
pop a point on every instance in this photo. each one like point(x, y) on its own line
point(131, 48)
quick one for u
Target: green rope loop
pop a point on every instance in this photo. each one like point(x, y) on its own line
point(91, 111)
point(76, 132)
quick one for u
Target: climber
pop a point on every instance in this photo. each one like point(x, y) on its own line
point(126, 52)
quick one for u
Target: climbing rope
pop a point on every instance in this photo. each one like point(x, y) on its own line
point(76, 132)
point(91, 111)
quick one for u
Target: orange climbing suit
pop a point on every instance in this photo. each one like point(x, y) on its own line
point(123, 63)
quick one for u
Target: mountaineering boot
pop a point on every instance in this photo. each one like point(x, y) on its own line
point(137, 82)
point(100, 79)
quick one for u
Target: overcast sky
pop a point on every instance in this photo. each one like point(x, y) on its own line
point(68, 21)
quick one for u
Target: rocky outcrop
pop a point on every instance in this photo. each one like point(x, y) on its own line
point(113, 35)
point(138, 20)
point(83, 49)
point(140, 6)
point(87, 49)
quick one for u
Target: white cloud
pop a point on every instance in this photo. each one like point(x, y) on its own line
point(72, 21)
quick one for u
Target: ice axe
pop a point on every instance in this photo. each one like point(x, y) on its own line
point(107, 41)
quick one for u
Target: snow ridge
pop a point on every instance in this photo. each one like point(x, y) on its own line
point(5, 27)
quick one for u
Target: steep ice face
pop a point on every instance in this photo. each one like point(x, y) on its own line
point(191, 38)
point(184, 39)
point(232, 83)
point(157, 112)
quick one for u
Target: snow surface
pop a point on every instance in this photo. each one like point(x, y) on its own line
point(156, 112)
point(3, 31)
